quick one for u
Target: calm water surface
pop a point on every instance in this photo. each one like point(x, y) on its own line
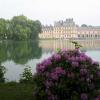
point(15, 55)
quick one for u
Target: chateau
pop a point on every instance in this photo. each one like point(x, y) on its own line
point(68, 29)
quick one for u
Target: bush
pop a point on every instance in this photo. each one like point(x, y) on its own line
point(26, 76)
point(67, 75)
point(2, 72)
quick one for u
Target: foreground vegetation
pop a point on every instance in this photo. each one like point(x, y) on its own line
point(19, 28)
point(66, 75)
point(16, 91)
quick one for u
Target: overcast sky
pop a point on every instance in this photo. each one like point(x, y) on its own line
point(48, 11)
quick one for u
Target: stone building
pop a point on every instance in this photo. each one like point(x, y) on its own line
point(88, 32)
point(68, 29)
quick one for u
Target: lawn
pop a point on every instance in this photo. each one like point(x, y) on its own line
point(16, 91)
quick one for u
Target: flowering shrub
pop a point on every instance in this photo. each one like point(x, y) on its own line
point(67, 75)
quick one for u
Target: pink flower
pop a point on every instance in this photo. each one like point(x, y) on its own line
point(83, 71)
point(75, 64)
point(84, 96)
point(98, 73)
point(56, 57)
point(57, 72)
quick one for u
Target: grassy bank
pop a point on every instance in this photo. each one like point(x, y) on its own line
point(16, 91)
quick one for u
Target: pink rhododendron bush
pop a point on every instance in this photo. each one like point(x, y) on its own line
point(67, 75)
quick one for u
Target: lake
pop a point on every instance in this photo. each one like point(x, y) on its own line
point(16, 55)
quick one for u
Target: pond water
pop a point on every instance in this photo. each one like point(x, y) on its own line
point(16, 55)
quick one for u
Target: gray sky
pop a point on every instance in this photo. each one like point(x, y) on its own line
point(48, 11)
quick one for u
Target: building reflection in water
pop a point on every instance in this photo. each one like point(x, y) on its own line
point(53, 45)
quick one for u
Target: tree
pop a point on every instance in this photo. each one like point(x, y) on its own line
point(3, 28)
point(19, 28)
point(83, 25)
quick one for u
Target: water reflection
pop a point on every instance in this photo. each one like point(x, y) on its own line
point(19, 52)
point(15, 55)
point(52, 45)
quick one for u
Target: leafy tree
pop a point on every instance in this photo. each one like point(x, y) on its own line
point(19, 28)
point(3, 28)
point(83, 25)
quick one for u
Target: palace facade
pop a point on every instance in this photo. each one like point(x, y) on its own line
point(68, 29)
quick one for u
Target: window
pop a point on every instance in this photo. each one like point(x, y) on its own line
point(78, 35)
point(87, 35)
point(95, 35)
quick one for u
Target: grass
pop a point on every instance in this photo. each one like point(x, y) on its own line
point(16, 91)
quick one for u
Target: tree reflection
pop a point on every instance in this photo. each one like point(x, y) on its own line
point(19, 52)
